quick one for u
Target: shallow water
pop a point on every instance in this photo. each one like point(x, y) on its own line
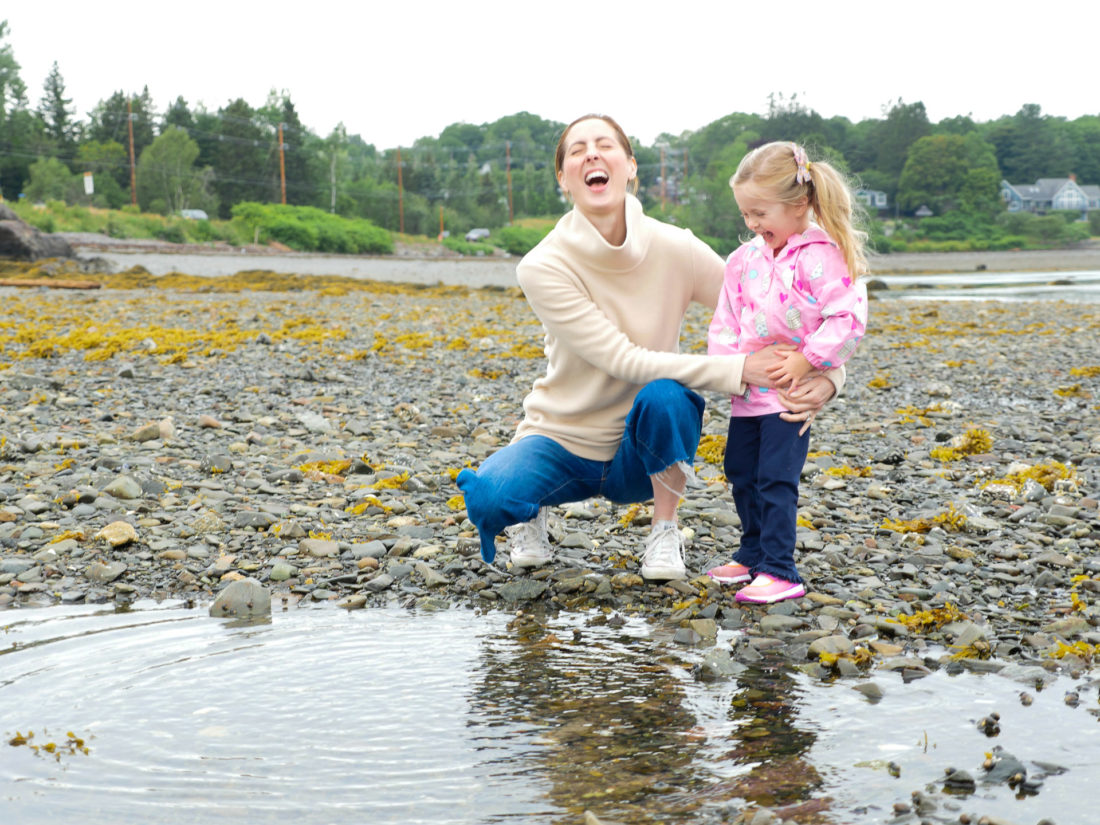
point(1078, 286)
point(392, 716)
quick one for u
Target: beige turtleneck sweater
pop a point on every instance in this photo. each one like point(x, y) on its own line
point(612, 317)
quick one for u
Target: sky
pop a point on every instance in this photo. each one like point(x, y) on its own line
point(393, 72)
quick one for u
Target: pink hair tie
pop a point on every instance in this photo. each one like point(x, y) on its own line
point(803, 163)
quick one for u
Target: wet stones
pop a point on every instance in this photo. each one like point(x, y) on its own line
point(104, 572)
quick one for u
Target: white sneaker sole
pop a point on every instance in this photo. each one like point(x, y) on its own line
point(664, 573)
point(530, 561)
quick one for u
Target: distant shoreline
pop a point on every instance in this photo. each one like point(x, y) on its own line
point(408, 266)
point(1085, 257)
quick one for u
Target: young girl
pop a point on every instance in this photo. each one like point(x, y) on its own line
point(794, 283)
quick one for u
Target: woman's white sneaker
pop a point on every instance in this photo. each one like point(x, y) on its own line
point(530, 544)
point(664, 554)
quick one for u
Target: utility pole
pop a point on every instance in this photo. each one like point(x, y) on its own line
point(440, 221)
point(332, 181)
point(282, 164)
point(400, 196)
point(664, 188)
point(133, 175)
point(683, 188)
point(508, 174)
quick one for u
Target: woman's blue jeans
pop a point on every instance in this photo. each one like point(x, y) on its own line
point(662, 429)
point(764, 458)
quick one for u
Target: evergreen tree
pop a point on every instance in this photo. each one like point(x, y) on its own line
point(178, 115)
point(13, 92)
point(58, 114)
point(241, 159)
point(904, 125)
point(17, 125)
point(109, 122)
point(298, 142)
point(1031, 146)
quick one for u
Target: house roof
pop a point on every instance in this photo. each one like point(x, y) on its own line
point(1043, 189)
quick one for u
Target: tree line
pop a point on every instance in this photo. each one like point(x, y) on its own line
point(189, 157)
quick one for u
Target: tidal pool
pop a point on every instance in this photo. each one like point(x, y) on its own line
point(161, 714)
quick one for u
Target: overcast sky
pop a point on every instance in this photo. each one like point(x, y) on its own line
point(395, 71)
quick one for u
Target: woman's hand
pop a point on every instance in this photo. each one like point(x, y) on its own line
point(806, 400)
point(756, 368)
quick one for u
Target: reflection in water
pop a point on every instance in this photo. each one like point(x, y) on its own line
point(606, 714)
point(616, 731)
point(464, 718)
point(769, 743)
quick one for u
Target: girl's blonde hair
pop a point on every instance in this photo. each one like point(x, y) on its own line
point(782, 172)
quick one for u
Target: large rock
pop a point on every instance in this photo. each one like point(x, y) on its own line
point(22, 242)
point(242, 599)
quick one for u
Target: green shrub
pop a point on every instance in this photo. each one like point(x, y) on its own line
point(203, 231)
point(43, 221)
point(172, 232)
point(1076, 232)
point(332, 237)
point(1009, 242)
point(519, 240)
point(464, 247)
point(369, 239)
point(308, 229)
point(1048, 229)
point(294, 234)
point(1094, 222)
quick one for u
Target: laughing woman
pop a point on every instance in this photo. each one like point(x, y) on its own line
point(616, 414)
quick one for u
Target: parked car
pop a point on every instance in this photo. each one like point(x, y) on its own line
point(194, 214)
point(475, 235)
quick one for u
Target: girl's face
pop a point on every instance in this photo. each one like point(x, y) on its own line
point(775, 222)
point(596, 168)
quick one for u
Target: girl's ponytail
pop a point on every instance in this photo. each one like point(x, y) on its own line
point(837, 213)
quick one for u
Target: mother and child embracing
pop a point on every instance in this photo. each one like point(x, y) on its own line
point(617, 413)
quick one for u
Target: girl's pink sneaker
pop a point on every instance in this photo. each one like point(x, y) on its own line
point(732, 573)
point(766, 589)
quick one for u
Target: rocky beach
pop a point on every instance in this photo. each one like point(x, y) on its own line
point(165, 437)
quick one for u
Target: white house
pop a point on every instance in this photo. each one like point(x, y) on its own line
point(871, 198)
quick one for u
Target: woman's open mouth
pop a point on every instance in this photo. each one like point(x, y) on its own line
point(597, 177)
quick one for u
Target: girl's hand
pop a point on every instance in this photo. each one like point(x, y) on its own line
point(806, 400)
point(791, 370)
point(757, 366)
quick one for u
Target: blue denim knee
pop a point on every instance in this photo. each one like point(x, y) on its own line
point(661, 429)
